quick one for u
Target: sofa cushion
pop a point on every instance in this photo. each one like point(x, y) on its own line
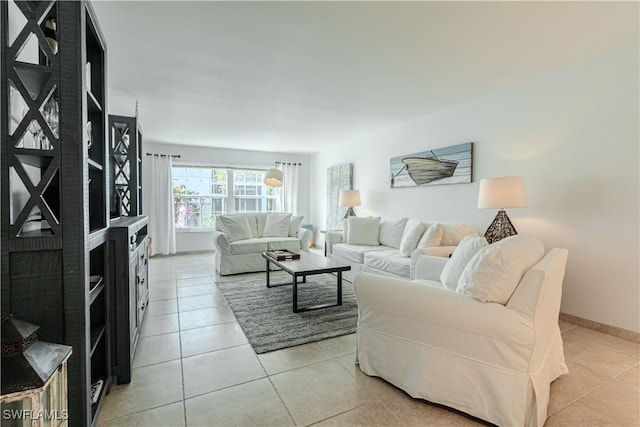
point(277, 225)
point(363, 231)
point(391, 230)
point(468, 247)
point(236, 227)
point(439, 251)
point(248, 246)
point(261, 219)
point(354, 253)
point(411, 236)
point(454, 232)
point(390, 261)
point(282, 243)
point(432, 237)
point(294, 224)
point(495, 271)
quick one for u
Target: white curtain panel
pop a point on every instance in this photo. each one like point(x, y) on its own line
point(289, 189)
point(160, 201)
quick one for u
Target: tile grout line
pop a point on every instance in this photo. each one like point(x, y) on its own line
point(573, 401)
point(184, 404)
point(268, 377)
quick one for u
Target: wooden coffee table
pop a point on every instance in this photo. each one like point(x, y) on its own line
point(308, 264)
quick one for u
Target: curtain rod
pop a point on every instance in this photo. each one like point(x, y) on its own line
point(175, 156)
point(278, 162)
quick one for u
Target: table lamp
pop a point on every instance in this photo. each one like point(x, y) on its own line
point(501, 193)
point(350, 198)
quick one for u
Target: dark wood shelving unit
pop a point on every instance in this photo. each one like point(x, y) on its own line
point(125, 142)
point(55, 186)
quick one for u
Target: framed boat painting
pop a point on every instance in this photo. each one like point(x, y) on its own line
point(447, 165)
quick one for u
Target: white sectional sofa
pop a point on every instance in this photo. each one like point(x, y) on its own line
point(240, 239)
point(392, 246)
point(477, 332)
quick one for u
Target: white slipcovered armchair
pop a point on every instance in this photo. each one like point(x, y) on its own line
point(492, 360)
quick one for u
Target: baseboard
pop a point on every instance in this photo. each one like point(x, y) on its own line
point(205, 251)
point(601, 327)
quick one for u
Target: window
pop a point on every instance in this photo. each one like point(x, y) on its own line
point(202, 193)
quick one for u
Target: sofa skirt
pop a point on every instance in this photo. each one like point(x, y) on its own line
point(496, 394)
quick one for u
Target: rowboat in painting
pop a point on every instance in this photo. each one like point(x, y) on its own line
point(423, 170)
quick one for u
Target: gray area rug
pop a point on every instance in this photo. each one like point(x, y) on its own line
point(266, 314)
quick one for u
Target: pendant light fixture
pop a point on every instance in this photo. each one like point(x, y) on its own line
point(273, 177)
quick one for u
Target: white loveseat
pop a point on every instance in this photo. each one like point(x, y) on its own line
point(392, 246)
point(240, 239)
point(491, 353)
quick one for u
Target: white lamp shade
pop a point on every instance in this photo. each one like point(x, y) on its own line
point(350, 198)
point(502, 192)
point(273, 178)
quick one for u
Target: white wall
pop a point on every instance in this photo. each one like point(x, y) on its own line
point(199, 241)
point(574, 136)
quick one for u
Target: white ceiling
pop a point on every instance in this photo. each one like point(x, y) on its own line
point(297, 76)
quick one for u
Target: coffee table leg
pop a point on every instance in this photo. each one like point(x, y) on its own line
point(339, 287)
point(268, 284)
point(295, 293)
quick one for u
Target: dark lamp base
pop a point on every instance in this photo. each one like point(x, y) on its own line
point(350, 212)
point(500, 228)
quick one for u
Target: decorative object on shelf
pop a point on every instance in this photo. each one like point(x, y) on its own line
point(350, 198)
point(34, 376)
point(447, 165)
point(49, 31)
point(51, 115)
point(501, 193)
point(89, 135)
point(273, 177)
point(87, 73)
point(339, 178)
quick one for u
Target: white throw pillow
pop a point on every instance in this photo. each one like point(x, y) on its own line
point(277, 225)
point(363, 231)
point(468, 247)
point(296, 220)
point(235, 226)
point(411, 237)
point(495, 271)
point(432, 237)
point(454, 232)
point(391, 230)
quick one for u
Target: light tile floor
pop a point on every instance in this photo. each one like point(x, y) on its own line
point(194, 367)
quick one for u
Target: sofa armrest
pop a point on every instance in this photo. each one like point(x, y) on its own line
point(221, 243)
point(441, 251)
point(306, 237)
point(331, 238)
point(425, 266)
